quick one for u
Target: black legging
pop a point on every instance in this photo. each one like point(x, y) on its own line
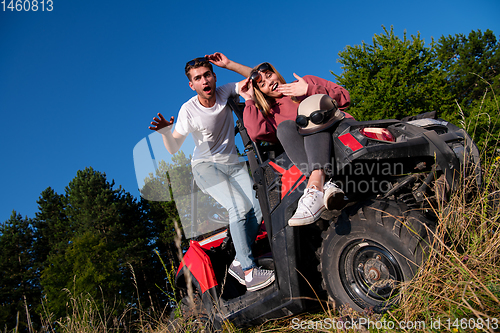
point(309, 152)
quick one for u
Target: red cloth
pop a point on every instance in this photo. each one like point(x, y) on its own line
point(199, 264)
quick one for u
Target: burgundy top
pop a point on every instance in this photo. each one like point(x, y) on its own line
point(264, 128)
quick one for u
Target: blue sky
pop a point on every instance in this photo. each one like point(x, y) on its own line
point(80, 84)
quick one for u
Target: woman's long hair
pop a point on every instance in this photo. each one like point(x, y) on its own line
point(263, 101)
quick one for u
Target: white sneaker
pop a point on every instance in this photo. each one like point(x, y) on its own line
point(309, 208)
point(333, 196)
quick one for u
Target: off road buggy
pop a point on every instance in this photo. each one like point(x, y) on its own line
point(395, 173)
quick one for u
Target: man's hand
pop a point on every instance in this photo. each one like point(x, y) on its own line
point(218, 59)
point(222, 61)
point(160, 123)
point(172, 140)
point(246, 90)
point(297, 89)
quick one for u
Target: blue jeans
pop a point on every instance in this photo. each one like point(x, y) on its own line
point(231, 186)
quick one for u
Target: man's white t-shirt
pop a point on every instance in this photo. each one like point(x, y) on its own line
point(212, 128)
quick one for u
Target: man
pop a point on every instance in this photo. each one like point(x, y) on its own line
point(215, 163)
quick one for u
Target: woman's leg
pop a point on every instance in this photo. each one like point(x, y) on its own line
point(319, 148)
point(318, 151)
point(293, 143)
point(317, 179)
point(310, 204)
point(309, 153)
point(313, 153)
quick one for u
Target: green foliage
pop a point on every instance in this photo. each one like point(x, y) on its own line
point(18, 290)
point(162, 209)
point(482, 121)
point(171, 180)
point(392, 78)
point(176, 178)
point(51, 224)
point(95, 240)
point(89, 266)
point(472, 64)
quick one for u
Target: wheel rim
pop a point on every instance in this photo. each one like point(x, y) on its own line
point(370, 274)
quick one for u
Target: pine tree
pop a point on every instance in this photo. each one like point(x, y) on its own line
point(51, 227)
point(18, 288)
point(472, 64)
point(108, 233)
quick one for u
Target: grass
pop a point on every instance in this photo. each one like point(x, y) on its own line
point(457, 289)
point(461, 279)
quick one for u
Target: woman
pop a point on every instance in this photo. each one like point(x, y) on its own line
point(270, 113)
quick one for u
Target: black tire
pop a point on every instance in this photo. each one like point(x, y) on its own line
point(373, 247)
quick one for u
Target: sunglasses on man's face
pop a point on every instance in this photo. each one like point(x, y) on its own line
point(196, 60)
point(316, 117)
point(255, 75)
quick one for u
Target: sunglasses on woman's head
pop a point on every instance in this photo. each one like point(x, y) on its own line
point(196, 60)
point(255, 75)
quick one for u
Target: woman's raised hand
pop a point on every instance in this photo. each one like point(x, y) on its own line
point(298, 88)
point(246, 90)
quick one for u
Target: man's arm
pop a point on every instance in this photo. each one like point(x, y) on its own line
point(171, 140)
point(222, 61)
